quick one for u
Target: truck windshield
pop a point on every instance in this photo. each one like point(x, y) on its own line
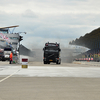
point(7, 49)
point(54, 48)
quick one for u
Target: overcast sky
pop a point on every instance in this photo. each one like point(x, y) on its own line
point(50, 20)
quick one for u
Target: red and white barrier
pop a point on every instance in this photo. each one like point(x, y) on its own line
point(91, 59)
point(24, 62)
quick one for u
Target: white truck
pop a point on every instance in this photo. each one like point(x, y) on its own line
point(6, 55)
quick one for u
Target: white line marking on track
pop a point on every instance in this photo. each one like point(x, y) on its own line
point(9, 76)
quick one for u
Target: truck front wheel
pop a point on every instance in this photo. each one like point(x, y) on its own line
point(58, 62)
point(45, 62)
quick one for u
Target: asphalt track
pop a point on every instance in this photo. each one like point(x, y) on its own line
point(76, 81)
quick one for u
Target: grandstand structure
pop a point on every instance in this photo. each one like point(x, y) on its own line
point(8, 38)
point(92, 41)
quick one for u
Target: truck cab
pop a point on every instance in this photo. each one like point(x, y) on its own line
point(7, 52)
point(51, 53)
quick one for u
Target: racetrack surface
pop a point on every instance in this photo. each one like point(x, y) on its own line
point(68, 81)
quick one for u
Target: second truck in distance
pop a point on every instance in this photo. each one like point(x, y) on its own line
point(52, 53)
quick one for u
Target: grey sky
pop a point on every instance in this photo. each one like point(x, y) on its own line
point(50, 20)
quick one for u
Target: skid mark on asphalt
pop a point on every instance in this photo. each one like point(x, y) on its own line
point(9, 76)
